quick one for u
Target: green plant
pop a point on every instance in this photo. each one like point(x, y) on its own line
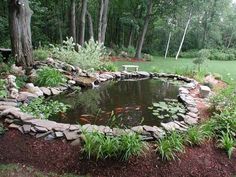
point(169, 109)
point(41, 54)
point(195, 136)
point(147, 57)
point(189, 54)
point(107, 66)
point(44, 109)
point(170, 145)
point(101, 147)
point(49, 77)
point(88, 56)
point(3, 89)
point(227, 142)
point(21, 81)
point(201, 59)
point(2, 129)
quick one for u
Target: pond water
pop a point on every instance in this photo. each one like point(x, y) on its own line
point(117, 103)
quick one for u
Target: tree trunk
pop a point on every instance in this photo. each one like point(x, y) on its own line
point(104, 21)
point(20, 31)
point(131, 37)
point(185, 32)
point(144, 31)
point(72, 20)
point(168, 45)
point(90, 25)
point(100, 21)
point(82, 22)
point(230, 40)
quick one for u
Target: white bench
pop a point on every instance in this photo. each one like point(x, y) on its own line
point(125, 67)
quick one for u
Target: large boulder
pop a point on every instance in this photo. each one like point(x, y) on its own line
point(205, 91)
point(85, 81)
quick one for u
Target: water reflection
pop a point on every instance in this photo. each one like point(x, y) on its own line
point(119, 103)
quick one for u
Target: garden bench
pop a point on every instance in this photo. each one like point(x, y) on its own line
point(125, 67)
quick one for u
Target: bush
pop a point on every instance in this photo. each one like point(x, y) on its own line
point(21, 81)
point(227, 142)
point(43, 109)
point(224, 55)
point(3, 89)
point(129, 50)
point(195, 136)
point(170, 145)
point(87, 57)
point(147, 57)
point(107, 66)
point(41, 54)
point(99, 146)
point(49, 77)
point(189, 54)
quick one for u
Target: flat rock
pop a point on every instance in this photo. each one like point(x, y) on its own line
point(71, 135)
point(46, 91)
point(149, 128)
point(59, 134)
point(25, 96)
point(40, 129)
point(26, 128)
point(106, 76)
point(170, 126)
point(85, 81)
point(55, 91)
point(143, 73)
point(205, 91)
point(47, 124)
point(8, 103)
point(189, 120)
point(4, 107)
point(14, 126)
point(74, 127)
point(76, 142)
point(138, 129)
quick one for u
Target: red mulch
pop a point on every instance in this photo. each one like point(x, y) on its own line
point(57, 156)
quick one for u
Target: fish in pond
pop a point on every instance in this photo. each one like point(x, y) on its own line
point(84, 120)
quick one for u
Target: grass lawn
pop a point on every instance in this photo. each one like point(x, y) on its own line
point(227, 69)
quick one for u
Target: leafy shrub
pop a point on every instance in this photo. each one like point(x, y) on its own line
point(2, 129)
point(21, 81)
point(147, 57)
point(201, 58)
point(41, 54)
point(129, 50)
point(170, 145)
point(5, 68)
point(227, 54)
point(49, 77)
point(3, 89)
point(87, 56)
point(227, 142)
point(189, 54)
point(44, 109)
point(195, 135)
point(99, 146)
point(107, 66)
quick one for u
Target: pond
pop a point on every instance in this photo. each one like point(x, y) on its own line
point(122, 103)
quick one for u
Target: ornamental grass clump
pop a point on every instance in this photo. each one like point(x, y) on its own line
point(99, 146)
point(169, 146)
point(49, 77)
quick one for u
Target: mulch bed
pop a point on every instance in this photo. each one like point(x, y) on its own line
point(60, 157)
point(114, 58)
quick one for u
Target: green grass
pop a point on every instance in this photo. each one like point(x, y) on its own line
point(170, 65)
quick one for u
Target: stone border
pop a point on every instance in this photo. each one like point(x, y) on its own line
point(47, 129)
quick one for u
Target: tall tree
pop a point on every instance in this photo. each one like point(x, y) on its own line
point(102, 26)
point(144, 30)
point(20, 31)
point(90, 25)
point(73, 20)
point(82, 21)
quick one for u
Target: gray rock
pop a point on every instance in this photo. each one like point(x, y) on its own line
point(190, 85)
point(55, 91)
point(143, 74)
point(4, 107)
point(193, 115)
point(170, 126)
point(149, 128)
point(205, 91)
point(193, 109)
point(46, 91)
point(40, 129)
point(71, 135)
point(8, 121)
point(138, 129)
point(14, 126)
point(105, 76)
point(26, 128)
point(47, 124)
point(118, 131)
point(50, 137)
point(59, 134)
point(8, 103)
point(74, 127)
point(41, 135)
point(25, 96)
point(76, 142)
point(189, 120)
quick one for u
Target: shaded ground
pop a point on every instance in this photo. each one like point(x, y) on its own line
point(57, 156)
